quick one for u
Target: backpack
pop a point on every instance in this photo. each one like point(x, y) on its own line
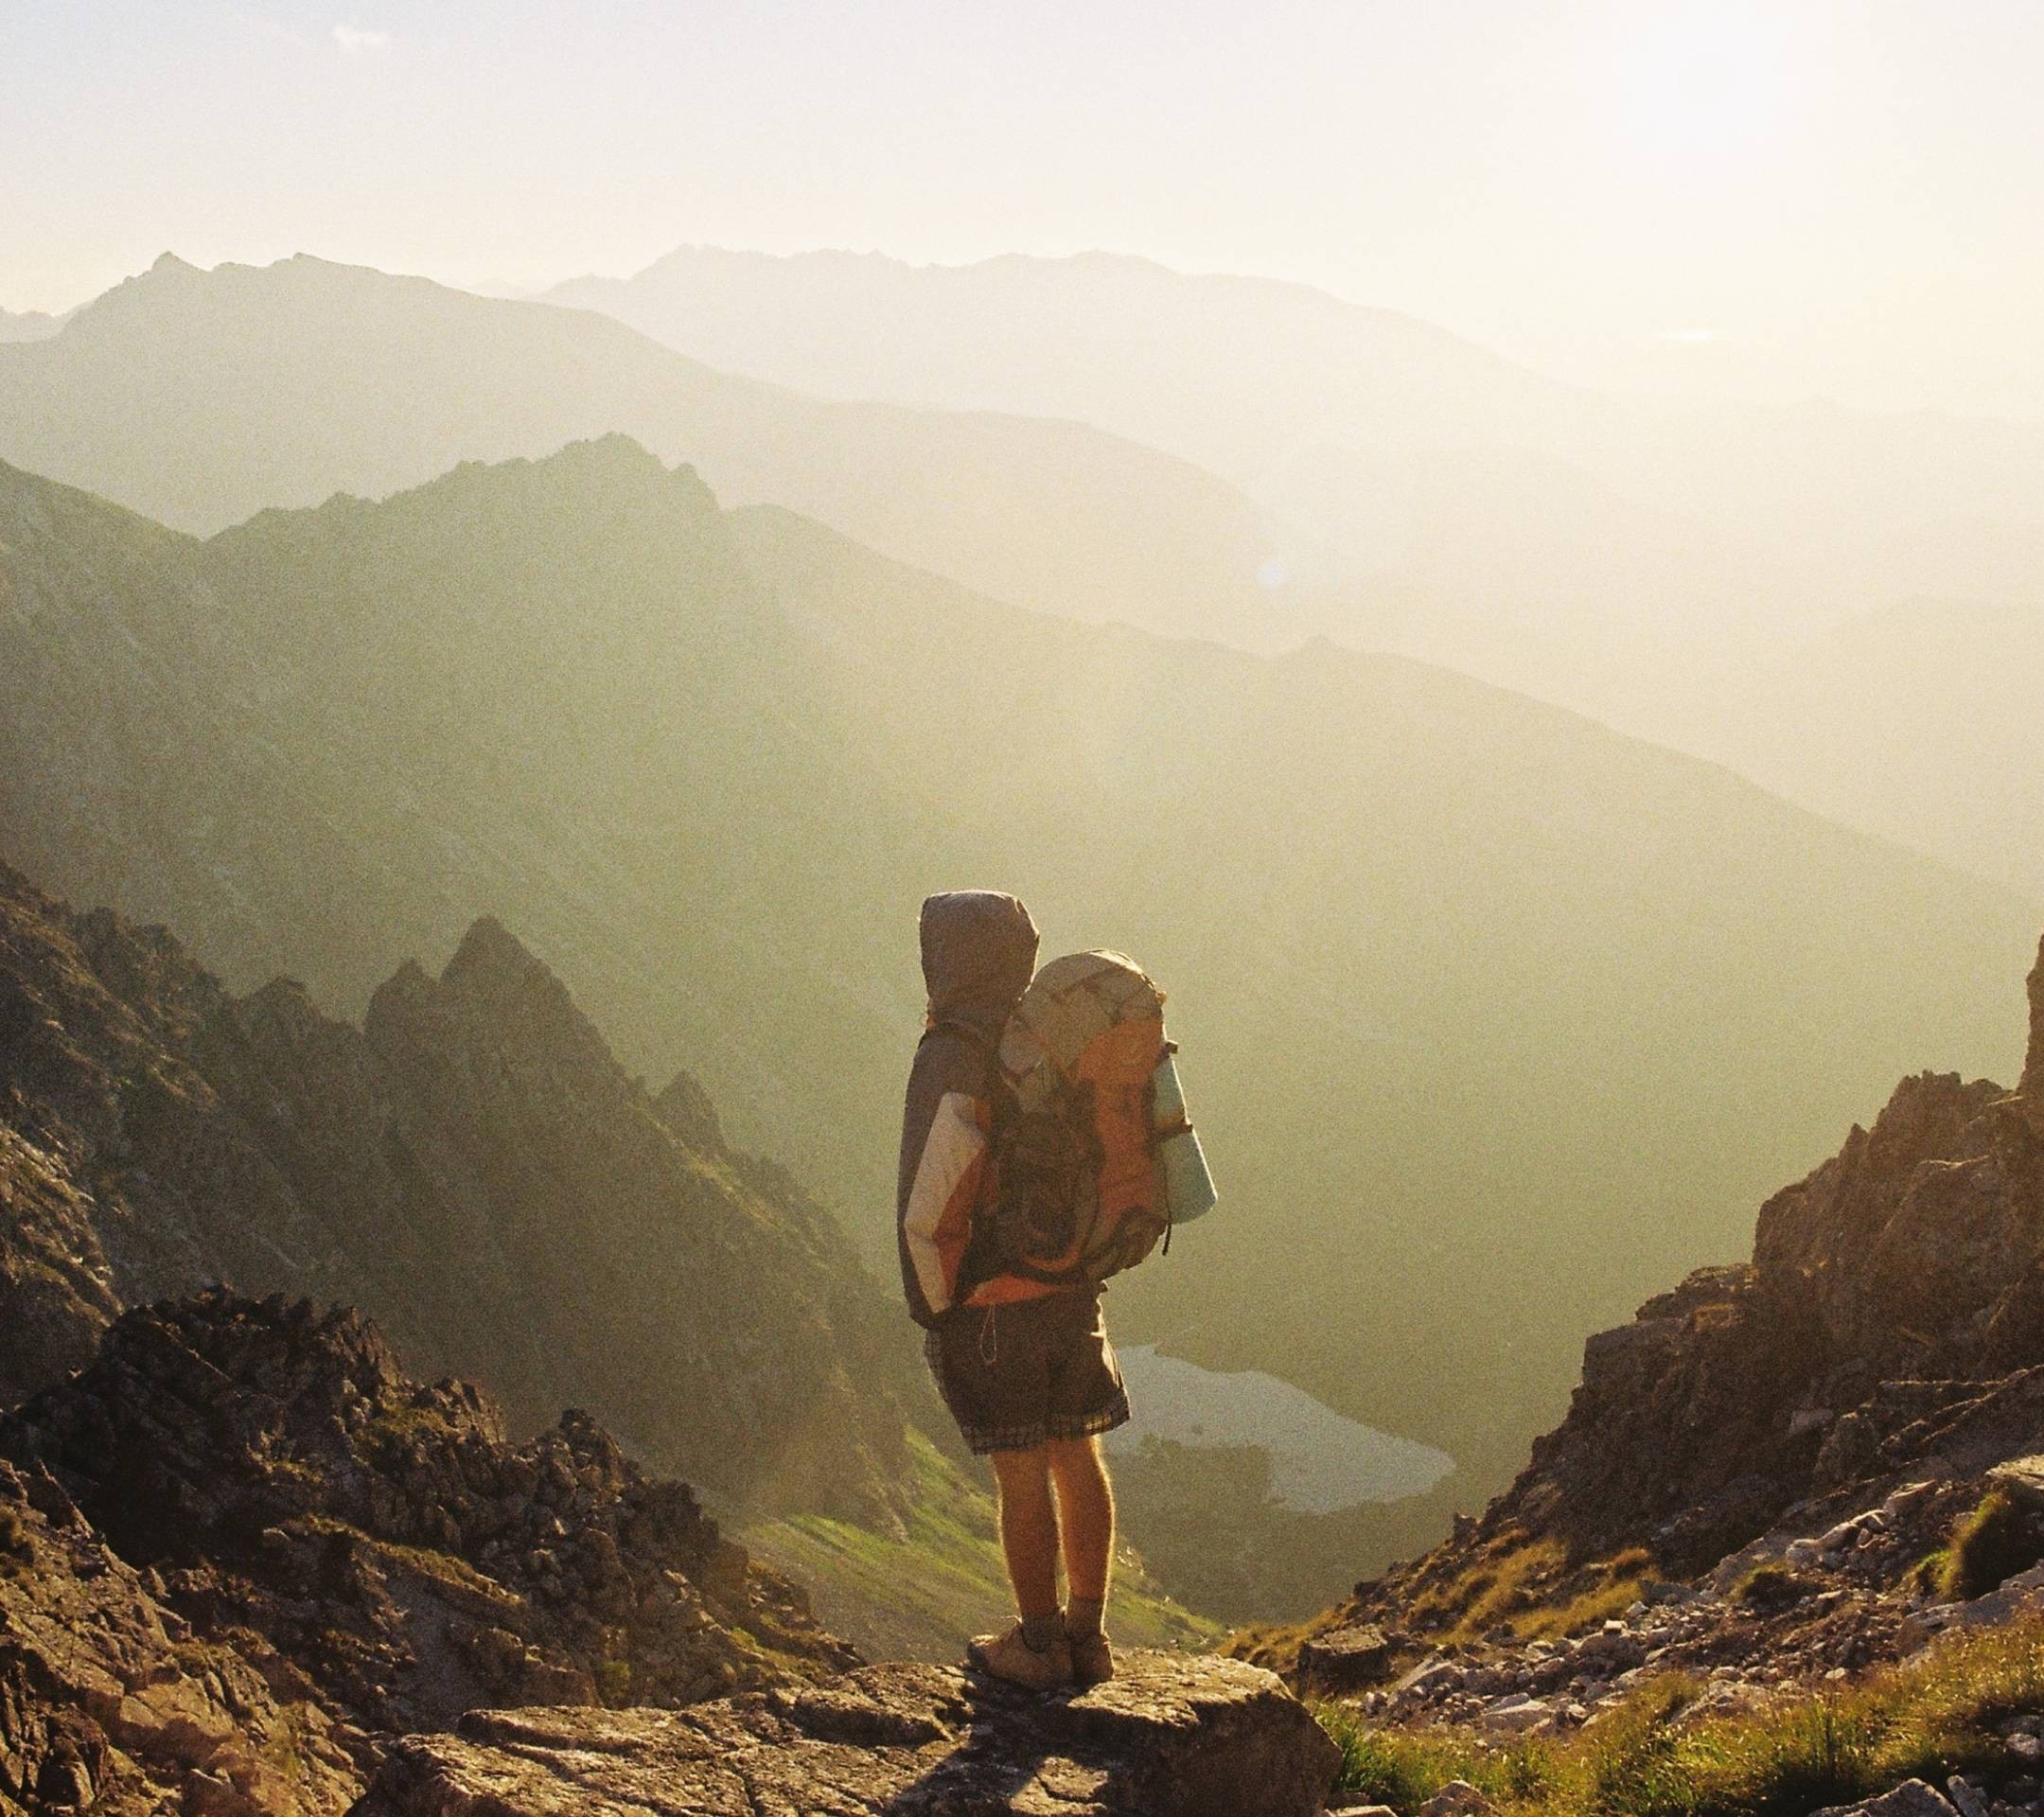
point(1076, 1191)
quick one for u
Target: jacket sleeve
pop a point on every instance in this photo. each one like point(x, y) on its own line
point(943, 1156)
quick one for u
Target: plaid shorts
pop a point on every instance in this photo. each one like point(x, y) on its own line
point(1017, 1375)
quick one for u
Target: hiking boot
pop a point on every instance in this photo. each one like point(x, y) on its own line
point(1092, 1660)
point(1009, 1656)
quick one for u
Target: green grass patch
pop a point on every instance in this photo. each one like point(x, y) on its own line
point(920, 1596)
point(1771, 1587)
point(1988, 1545)
point(1530, 1588)
point(386, 1438)
point(1927, 1719)
point(17, 1550)
point(1591, 1608)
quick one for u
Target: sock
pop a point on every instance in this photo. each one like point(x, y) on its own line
point(1042, 1632)
point(1082, 1619)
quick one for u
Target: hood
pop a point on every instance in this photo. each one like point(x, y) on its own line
point(978, 950)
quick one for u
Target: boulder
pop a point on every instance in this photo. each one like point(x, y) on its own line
point(1515, 1715)
point(1429, 1679)
point(2022, 1480)
point(1912, 1798)
point(1171, 1737)
point(1458, 1798)
point(1970, 1798)
point(1346, 1659)
point(2019, 1595)
point(1610, 1651)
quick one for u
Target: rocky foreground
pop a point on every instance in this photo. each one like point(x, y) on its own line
point(242, 1545)
point(248, 1568)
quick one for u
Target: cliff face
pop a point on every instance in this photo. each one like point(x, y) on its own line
point(293, 1550)
point(472, 1167)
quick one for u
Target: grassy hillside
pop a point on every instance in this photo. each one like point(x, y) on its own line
point(1935, 1715)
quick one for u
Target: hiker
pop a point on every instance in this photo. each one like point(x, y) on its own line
point(1022, 1365)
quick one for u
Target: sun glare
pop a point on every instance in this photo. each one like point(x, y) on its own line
point(1704, 88)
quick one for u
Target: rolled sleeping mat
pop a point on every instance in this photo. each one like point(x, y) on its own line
point(1189, 1187)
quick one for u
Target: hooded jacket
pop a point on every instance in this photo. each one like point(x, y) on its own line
point(978, 950)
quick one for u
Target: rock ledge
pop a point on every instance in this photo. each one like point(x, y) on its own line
point(1171, 1736)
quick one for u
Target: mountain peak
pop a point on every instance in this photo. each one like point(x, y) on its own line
point(601, 464)
point(612, 451)
point(168, 263)
point(489, 947)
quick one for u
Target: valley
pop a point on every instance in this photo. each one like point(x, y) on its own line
point(1467, 1012)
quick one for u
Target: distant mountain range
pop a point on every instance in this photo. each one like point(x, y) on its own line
point(1491, 1016)
point(199, 398)
point(1589, 548)
point(1106, 438)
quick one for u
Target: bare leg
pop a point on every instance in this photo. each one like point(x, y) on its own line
point(1086, 1505)
point(1028, 1531)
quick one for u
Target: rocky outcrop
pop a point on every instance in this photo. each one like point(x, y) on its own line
point(1780, 1473)
point(1171, 1737)
point(291, 1495)
point(109, 1701)
point(1893, 1311)
point(472, 1166)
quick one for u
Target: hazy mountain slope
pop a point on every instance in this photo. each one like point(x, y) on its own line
point(32, 324)
point(202, 396)
point(1243, 369)
point(1586, 546)
point(1924, 721)
point(1487, 1012)
point(1435, 947)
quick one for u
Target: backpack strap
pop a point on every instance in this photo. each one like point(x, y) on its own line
point(965, 1031)
point(977, 1263)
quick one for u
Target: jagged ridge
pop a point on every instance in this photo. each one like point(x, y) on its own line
point(472, 1166)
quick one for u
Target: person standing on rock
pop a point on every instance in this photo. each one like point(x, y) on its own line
point(1024, 1366)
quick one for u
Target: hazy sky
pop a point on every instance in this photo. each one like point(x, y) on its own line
point(1841, 197)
